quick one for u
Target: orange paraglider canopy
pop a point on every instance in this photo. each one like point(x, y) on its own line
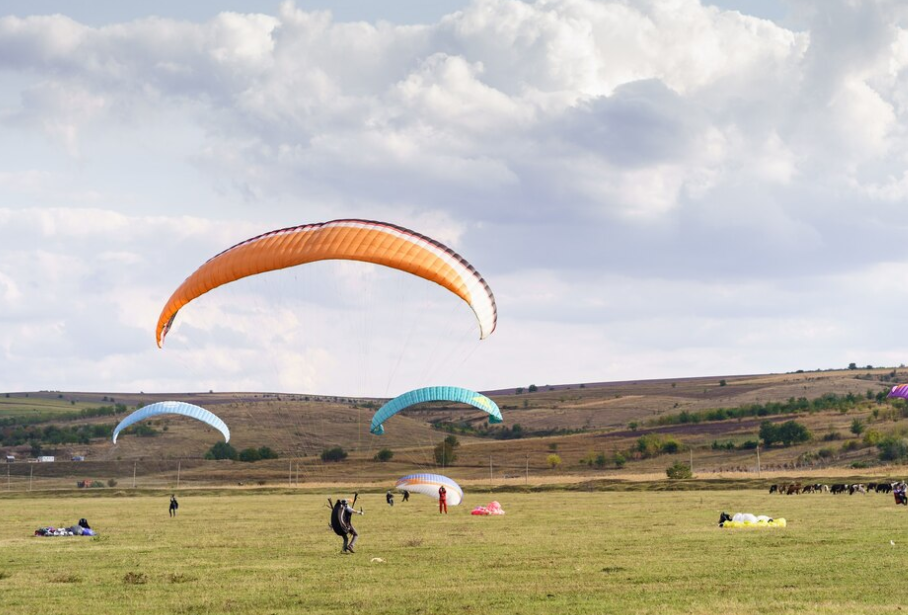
point(359, 240)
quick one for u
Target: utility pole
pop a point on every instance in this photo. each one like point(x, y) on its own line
point(758, 459)
point(179, 463)
point(692, 462)
point(134, 466)
point(526, 480)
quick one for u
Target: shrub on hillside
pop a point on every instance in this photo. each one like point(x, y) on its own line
point(221, 450)
point(249, 455)
point(335, 454)
point(653, 445)
point(265, 452)
point(788, 433)
point(444, 451)
point(872, 437)
point(851, 445)
point(600, 460)
point(679, 470)
point(384, 454)
point(893, 448)
point(670, 446)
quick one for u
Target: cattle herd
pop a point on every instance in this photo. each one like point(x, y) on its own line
point(796, 488)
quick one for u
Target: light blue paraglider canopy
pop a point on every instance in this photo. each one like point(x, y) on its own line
point(173, 407)
point(419, 396)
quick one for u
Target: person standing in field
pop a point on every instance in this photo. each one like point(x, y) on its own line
point(406, 495)
point(389, 498)
point(173, 505)
point(442, 500)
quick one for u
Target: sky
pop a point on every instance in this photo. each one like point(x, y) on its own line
point(652, 189)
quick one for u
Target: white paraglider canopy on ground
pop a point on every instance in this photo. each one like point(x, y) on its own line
point(429, 484)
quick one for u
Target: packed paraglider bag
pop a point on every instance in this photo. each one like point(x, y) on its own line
point(79, 529)
point(749, 520)
point(338, 521)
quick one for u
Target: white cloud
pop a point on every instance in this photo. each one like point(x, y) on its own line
point(669, 183)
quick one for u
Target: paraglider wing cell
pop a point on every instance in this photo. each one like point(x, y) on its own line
point(428, 484)
point(359, 240)
point(173, 407)
point(427, 394)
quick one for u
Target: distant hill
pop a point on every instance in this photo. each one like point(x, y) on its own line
point(585, 424)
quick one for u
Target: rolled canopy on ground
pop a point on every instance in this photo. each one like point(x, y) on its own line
point(173, 407)
point(359, 240)
point(427, 394)
point(428, 484)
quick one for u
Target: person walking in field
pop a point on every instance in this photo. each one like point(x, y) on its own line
point(389, 498)
point(442, 500)
point(406, 495)
point(342, 523)
point(173, 505)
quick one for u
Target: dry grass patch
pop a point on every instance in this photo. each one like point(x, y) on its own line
point(135, 578)
point(179, 577)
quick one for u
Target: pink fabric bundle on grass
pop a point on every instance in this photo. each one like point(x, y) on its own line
point(494, 508)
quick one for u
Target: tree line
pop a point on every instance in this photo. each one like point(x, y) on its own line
point(829, 401)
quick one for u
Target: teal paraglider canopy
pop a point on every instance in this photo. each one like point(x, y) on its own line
point(173, 407)
point(427, 394)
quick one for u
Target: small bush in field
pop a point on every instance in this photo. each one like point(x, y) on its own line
point(679, 470)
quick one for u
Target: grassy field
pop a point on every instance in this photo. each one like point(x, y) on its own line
point(45, 408)
point(554, 552)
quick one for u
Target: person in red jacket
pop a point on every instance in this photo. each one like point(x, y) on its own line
point(442, 500)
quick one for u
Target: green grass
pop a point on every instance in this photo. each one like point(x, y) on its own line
point(32, 407)
point(554, 552)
